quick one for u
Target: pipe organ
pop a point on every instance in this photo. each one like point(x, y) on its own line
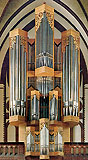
point(35, 95)
point(44, 138)
point(44, 85)
point(18, 50)
point(53, 100)
point(70, 51)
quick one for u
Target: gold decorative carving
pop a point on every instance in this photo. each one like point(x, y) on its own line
point(51, 93)
point(76, 42)
point(37, 93)
point(12, 41)
point(23, 42)
point(44, 121)
point(38, 18)
point(50, 18)
point(65, 38)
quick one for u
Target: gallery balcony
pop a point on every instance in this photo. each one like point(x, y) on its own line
point(14, 150)
point(73, 150)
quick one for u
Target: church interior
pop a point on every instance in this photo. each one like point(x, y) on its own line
point(44, 80)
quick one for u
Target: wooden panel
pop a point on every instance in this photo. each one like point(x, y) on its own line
point(17, 120)
point(51, 94)
point(31, 41)
point(57, 41)
point(57, 73)
point(35, 92)
point(39, 15)
point(30, 73)
point(56, 153)
point(22, 135)
point(66, 134)
point(18, 31)
point(29, 91)
point(32, 154)
point(44, 7)
point(44, 71)
point(33, 123)
point(30, 128)
point(54, 123)
point(43, 121)
point(44, 157)
point(72, 120)
point(59, 91)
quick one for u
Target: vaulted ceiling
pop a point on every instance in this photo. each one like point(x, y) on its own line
point(21, 14)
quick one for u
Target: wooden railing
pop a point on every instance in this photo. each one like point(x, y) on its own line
point(75, 150)
point(12, 149)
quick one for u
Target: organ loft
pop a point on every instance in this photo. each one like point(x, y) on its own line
point(44, 86)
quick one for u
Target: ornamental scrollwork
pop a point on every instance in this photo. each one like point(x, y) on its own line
point(38, 18)
point(50, 18)
point(12, 41)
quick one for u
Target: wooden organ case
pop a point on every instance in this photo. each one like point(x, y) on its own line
point(44, 86)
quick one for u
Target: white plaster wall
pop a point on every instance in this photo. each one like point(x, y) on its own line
point(77, 134)
point(11, 137)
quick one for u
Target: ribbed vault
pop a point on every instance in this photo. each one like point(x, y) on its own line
point(21, 14)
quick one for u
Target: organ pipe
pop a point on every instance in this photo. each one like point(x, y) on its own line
point(70, 75)
point(44, 132)
point(44, 40)
point(17, 74)
point(34, 105)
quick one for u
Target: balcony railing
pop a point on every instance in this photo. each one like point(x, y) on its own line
point(12, 149)
point(75, 149)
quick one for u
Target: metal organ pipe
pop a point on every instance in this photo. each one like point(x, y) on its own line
point(64, 92)
point(17, 77)
point(35, 104)
point(14, 78)
point(44, 43)
point(17, 70)
point(66, 81)
point(70, 79)
point(11, 81)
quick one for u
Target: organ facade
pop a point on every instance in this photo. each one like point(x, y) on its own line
point(44, 86)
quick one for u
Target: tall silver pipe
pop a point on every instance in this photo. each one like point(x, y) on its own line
point(13, 75)
point(35, 104)
point(41, 36)
point(70, 107)
point(25, 76)
point(38, 109)
point(44, 142)
point(66, 81)
point(64, 92)
point(69, 68)
point(72, 66)
point(73, 77)
point(22, 73)
point(48, 38)
point(44, 87)
point(77, 83)
point(17, 66)
point(44, 32)
point(11, 80)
